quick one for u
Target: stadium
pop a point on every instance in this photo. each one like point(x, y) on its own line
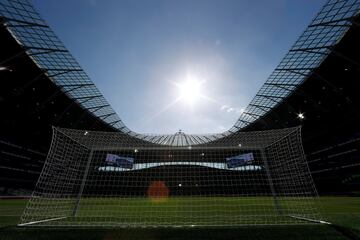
point(70, 168)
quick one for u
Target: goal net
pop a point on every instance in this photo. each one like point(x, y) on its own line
point(113, 179)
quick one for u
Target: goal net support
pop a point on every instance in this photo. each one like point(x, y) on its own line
point(113, 179)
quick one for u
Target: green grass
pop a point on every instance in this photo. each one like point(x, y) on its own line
point(342, 211)
point(174, 211)
point(10, 211)
point(178, 211)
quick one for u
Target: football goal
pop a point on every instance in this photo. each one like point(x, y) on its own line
point(113, 179)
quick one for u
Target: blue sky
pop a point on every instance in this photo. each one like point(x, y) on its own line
point(136, 51)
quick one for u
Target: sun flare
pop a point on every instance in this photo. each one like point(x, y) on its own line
point(190, 90)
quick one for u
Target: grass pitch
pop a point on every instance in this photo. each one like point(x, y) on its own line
point(174, 211)
point(342, 211)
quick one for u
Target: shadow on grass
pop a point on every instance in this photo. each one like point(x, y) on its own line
point(253, 233)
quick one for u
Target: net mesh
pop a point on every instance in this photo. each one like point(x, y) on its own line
point(113, 179)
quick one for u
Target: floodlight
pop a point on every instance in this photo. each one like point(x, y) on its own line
point(301, 116)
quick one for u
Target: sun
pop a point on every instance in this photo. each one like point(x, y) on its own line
point(190, 90)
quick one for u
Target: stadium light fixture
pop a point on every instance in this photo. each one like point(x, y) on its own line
point(86, 133)
point(180, 185)
point(301, 116)
point(239, 144)
point(136, 150)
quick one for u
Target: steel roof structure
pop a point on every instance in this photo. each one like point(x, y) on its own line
point(40, 43)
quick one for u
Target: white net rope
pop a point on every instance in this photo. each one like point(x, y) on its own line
point(112, 179)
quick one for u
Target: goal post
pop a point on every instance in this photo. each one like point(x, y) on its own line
point(112, 179)
point(54, 195)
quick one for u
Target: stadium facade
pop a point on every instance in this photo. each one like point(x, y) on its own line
point(42, 86)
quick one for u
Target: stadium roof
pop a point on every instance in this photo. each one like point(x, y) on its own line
point(40, 43)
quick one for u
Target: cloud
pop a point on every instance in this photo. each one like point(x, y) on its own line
point(228, 109)
point(223, 107)
point(221, 128)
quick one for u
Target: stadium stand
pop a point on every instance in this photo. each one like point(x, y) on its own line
point(315, 85)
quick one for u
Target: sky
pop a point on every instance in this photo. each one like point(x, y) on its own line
point(170, 65)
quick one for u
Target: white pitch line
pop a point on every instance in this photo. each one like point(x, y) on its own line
point(41, 221)
point(310, 220)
